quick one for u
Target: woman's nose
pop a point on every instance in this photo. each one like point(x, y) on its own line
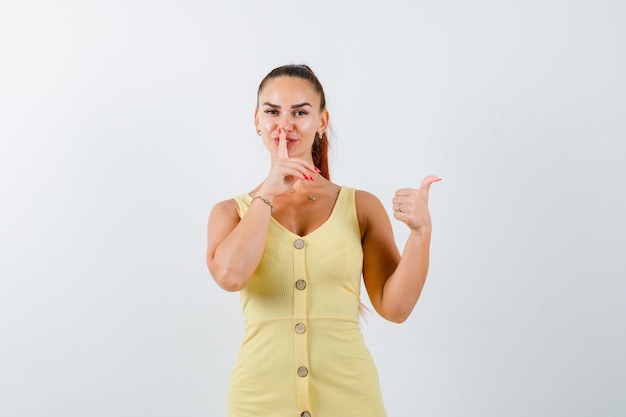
point(287, 123)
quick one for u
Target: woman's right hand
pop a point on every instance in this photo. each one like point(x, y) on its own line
point(285, 171)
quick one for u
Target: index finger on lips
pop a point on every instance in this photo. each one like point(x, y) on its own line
point(282, 144)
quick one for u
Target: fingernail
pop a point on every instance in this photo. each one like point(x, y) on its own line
point(304, 176)
point(311, 178)
point(317, 169)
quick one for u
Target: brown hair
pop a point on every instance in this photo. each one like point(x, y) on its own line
point(320, 144)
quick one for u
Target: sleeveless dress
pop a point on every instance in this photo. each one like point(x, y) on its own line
point(303, 354)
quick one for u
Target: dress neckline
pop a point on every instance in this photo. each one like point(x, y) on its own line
point(321, 226)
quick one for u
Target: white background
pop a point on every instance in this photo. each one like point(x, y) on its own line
point(123, 122)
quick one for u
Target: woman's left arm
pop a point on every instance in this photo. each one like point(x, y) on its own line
point(393, 282)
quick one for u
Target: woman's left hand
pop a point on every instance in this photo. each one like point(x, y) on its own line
point(410, 206)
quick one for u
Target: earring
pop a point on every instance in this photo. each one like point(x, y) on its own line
point(258, 132)
point(320, 134)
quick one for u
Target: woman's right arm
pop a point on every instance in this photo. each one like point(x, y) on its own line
point(235, 245)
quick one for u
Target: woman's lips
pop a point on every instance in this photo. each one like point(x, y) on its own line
point(289, 141)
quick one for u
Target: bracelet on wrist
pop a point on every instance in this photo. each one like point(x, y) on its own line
point(266, 201)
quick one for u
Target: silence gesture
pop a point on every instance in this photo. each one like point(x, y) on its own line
point(285, 171)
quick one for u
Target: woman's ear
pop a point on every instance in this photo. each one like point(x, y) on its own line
point(256, 118)
point(325, 116)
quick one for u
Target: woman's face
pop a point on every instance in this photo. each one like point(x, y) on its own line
point(291, 104)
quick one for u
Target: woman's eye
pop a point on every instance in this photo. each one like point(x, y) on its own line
point(271, 112)
point(300, 113)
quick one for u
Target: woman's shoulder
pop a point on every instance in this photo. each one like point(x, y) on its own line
point(365, 198)
point(369, 209)
point(229, 207)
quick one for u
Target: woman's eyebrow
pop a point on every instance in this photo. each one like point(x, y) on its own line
point(295, 106)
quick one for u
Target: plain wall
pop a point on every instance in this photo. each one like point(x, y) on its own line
point(123, 122)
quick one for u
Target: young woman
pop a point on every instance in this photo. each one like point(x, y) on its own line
point(296, 247)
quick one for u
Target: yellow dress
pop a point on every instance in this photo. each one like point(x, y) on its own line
point(303, 353)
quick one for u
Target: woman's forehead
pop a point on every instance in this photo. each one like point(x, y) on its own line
point(288, 86)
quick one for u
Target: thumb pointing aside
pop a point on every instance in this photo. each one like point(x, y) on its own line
point(426, 183)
